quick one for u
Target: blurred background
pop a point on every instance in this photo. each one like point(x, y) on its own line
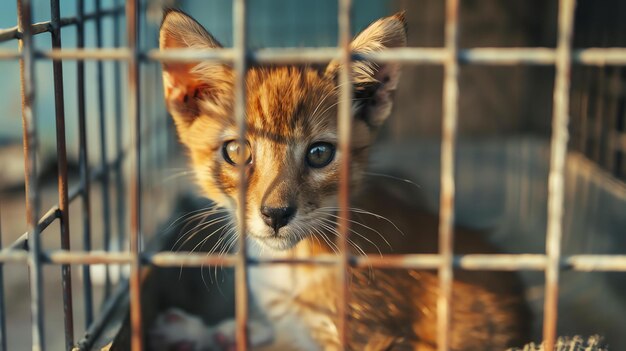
point(502, 152)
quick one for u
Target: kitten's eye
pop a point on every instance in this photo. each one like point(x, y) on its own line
point(320, 154)
point(235, 154)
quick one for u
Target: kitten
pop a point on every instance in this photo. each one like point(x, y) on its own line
point(292, 174)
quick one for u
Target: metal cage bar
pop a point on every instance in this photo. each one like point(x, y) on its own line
point(83, 164)
point(104, 182)
point(241, 267)
point(446, 201)
point(132, 30)
point(556, 178)
point(66, 272)
point(344, 123)
point(43, 27)
point(3, 326)
point(411, 55)
point(119, 147)
point(33, 205)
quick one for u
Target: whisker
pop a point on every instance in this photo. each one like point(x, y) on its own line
point(199, 228)
point(361, 236)
point(362, 211)
point(209, 208)
point(354, 245)
point(177, 175)
point(382, 175)
point(365, 226)
point(205, 214)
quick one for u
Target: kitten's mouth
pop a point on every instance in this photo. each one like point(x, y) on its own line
point(284, 239)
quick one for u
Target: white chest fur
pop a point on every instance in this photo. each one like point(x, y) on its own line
point(276, 290)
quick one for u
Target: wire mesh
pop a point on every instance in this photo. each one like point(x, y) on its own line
point(450, 57)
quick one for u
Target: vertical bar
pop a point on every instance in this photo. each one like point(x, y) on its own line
point(560, 119)
point(119, 175)
point(599, 123)
point(446, 201)
point(345, 127)
point(612, 116)
point(66, 272)
point(31, 147)
point(241, 268)
point(83, 163)
point(135, 179)
point(3, 311)
point(106, 195)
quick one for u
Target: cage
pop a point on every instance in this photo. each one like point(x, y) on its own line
point(510, 118)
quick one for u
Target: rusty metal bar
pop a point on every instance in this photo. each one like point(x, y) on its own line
point(117, 54)
point(167, 259)
point(83, 163)
point(508, 56)
point(477, 56)
point(485, 55)
point(344, 123)
point(134, 115)
point(86, 257)
point(59, 104)
point(14, 257)
point(241, 268)
point(560, 119)
point(12, 33)
point(31, 147)
point(446, 201)
point(9, 54)
point(3, 327)
point(48, 218)
point(104, 183)
point(119, 149)
point(495, 262)
point(595, 263)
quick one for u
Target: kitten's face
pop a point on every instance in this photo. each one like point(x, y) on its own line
point(291, 156)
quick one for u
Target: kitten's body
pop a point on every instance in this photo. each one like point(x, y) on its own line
point(394, 309)
point(292, 175)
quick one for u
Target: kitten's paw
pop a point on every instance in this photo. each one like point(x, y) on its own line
point(260, 333)
point(176, 330)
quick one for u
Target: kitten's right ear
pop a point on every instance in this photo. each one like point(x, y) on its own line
point(187, 85)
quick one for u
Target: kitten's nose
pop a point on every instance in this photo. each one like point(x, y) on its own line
point(277, 217)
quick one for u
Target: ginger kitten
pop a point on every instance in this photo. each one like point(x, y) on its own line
point(292, 174)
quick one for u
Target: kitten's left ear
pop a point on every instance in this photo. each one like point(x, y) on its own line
point(186, 84)
point(374, 84)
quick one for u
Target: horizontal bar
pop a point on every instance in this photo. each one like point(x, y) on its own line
point(508, 56)
point(9, 54)
point(478, 56)
point(413, 261)
point(500, 262)
point(189, 55)
point(45, 27)
point(86, 54)
point(85, 257)
point(600, 56)
point(13, 256)
point(589, 263)
point(168, 259)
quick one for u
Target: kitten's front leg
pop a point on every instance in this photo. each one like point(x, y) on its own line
point(177, 330)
